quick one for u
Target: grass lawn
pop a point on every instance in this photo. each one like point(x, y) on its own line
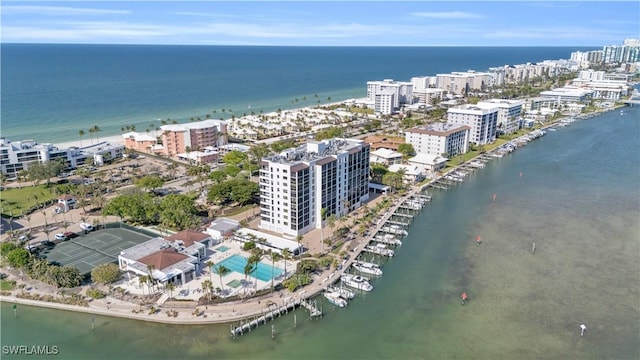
point(7, 285)
point(16, 201)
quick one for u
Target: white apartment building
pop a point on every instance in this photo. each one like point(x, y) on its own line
point(402, 90)
point(509, 112)
point(439, 138)
point(16, 156)
point(423, 82)
point(461, 82)
point(567, 94)
point(426, 96)
point(482, 121)
point(176, 138)
point(297, 184)
point(384, 101)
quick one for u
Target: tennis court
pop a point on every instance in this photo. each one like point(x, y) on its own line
point(99, 247)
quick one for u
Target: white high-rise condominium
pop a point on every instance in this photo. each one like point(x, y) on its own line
point(509, 112)
point(482, 121)
point(300, 184)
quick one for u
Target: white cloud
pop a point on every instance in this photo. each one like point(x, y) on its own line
point(448, 15)
point(58, 10)
point(558, 32)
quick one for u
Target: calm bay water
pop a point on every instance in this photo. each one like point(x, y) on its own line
point(51, 92)
point(578, 199)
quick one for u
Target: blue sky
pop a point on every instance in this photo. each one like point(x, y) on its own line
point(320, 23)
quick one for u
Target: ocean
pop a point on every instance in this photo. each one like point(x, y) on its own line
point(52, 91)
point(574, 192)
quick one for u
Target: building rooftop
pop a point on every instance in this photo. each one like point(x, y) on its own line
point(224, 225)
point(193, 125)
point(386, 153)
point(316, 150)
point(438, 129)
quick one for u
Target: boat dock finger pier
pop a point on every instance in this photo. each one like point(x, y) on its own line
point(275, 311)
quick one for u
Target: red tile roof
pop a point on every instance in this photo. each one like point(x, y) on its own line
point(163, 258)
point(189, 237)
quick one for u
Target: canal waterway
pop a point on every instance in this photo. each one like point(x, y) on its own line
point(574, 193)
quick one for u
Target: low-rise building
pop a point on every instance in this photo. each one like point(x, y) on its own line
point(175, 259)
point(384, 142)
point(222, 228)
point(139, 142)
point(412, 173)
point(567, 94)
point(16, 156)
point(430, 162)
point(385, 157)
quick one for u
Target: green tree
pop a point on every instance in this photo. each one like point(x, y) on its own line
point(234, 157)
point(149, 182)
point(406, 150)
point(19, 258)
point(377, 172)
point(218, 176)
point(106, 273)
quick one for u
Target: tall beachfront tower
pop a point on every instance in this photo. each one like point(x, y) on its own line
point(300, 184)
point(483, 122)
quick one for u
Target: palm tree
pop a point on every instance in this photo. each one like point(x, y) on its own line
point(210, 264)
point(247, 270)
point(91, 131)
point(207, 286)
point(274, 257)
point(222, 271)
point(331, 222)
point(142, 279)
point(150, 268)
point(96, 129)
point(299, 240)
point(171, 286)
point(286, 255)
point(81, 134)
point(323, 216)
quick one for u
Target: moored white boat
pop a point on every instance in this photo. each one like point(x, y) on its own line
point(380, 249)
point(367, 267)
point(344, 293)
point(335, 299)
point(357, 281)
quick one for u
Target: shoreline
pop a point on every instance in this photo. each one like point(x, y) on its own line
point(226, 312)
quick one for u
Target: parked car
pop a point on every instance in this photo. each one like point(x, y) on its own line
point(87, 227)
point(70, 234)
point(60, 237)
point(47, 243)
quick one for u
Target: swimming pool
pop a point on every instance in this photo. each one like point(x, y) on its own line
point(237, 263)
point(222, 248)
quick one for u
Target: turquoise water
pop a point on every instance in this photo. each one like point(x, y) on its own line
point(52, 91)
point(222, 248)
point(578, 199)
point(237, 263)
